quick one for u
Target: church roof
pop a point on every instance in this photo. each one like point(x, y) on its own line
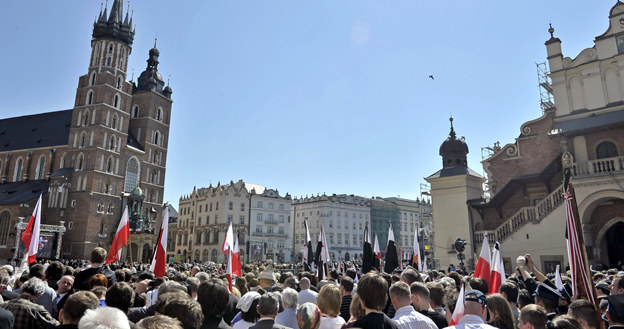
point(20, 192)
point(592, 121)
point(35, 131)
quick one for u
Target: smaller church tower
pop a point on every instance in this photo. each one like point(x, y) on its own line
point(451, 188)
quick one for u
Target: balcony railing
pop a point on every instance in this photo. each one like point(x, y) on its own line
point(598, 167)
point(523, 216)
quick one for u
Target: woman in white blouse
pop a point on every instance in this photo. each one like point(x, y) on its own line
point(329, 300)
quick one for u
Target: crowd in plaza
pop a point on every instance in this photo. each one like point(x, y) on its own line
point(86, 295)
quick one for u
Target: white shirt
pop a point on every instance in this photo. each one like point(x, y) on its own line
point(331, 323)
point(471, 321)
point(307, 296)
point(407, 318)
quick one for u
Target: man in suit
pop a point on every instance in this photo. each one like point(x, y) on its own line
point(268, 305)
point(65, 289)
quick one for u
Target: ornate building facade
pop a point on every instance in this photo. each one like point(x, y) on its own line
point(89, 161)
point(583, 125)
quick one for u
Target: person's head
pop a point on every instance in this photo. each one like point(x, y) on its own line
point(55, 271)
point(532, 316)
point(195, 270)
point(615, 309)
point(5, 278)
point(98, 256)
point(509, 290)
point(451, 300)
point(373, 291)
point(290, 298)
point(475, 303)
point(524, 298)
point(308, 316)
point(410, 276)
point(65, 284)
point(304, 283)
point(241, 284)
point(420, 295)
point(290, 282)
point(159, 322)
point(120, 295)
point(566, 322)
point(128, 276)
point(36, 271)
point(179, 305)
point(479, 284)
point(192, 284)
point(333, 274)
point(436, 294)
point(268, 305)
point(355, 309)
point(213, 296)
point(100, 292)
point(34, 287)
point(457, 278)
point(97, 280)
point(500, 311)
point(400, 295)
point(584, 312)
point(346, 285)
point(120, 275)
point(202, 276)
point(617, 285)
point(104, 317)
point(76, 306)
point(329, 300)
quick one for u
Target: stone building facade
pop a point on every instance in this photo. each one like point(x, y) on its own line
point(584, 126)
point(89, 159)
point(269, 225)
point(343, 217)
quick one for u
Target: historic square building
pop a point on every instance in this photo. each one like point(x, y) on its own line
point(107, 152)
point(581, 129)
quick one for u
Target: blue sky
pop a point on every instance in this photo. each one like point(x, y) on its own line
point(310, 96)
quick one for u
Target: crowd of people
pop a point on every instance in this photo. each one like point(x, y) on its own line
point(93, 295)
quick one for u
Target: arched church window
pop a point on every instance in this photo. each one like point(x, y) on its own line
point(112, 143)
point(40, 172)
point(116, 101)
point(17, 173)
point(119, 82)
point(132, 174)
point(89, 97)
point(92, 79)
point(114, 122)
point(109, 165)
point(83, 139)
point(80, 162)
point(156, 139)
point(135, 111)
point(85, 118)
point(5, 221)
point(159, 114)
point(606, 150)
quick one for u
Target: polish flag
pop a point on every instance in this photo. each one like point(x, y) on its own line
point(483, 269)
point(31, 234)
point(459, 308)
point(236, 261)
point(160, 255)
point(498, 270)
point(377, 253)
point(416, 257)
point(228, 243)
point(228, 269)
point(120, 240)
point(424, 265)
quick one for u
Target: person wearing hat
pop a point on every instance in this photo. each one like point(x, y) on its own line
point(267, 278)
point(602, 289)
point(247, 304)
point(615, 311)
point(475, 311)
point(547, 296)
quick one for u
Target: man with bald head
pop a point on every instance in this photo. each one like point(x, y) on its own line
point(306, 295)
point(475, 311)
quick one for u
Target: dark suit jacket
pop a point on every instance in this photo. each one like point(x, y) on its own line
point(8, 295)
point(267, 324)
point(59, 306)
point(80, 282)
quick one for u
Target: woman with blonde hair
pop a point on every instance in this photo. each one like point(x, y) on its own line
point(500, 312)
point(356, 311)
point(329, 300)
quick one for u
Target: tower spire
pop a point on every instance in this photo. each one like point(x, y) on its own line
point(116, 12)
point(452, 133)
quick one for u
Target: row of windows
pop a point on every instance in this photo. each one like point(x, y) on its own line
point(329, 213)
point(269, 230)
point(260, 204)
point(40, 171)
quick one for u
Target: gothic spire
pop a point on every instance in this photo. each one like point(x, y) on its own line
point(116, 12)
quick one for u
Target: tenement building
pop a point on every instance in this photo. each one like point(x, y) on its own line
point(414, 215)
point(581, 130)
point(343, 218)
point(108, 151)
point(260, 219)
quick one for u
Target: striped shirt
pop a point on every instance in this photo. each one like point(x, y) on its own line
point(344, 307)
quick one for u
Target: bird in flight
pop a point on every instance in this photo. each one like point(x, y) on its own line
point(431, 77)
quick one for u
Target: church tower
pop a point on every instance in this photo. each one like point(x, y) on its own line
point(110, 151)
point(451, 188)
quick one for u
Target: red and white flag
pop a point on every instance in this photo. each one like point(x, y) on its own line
point(228, 242)
point(160, 255)
point(377, 253)
point(121, 239)
point(459, 308)
point(484, 264)
point(498, 270)
point(228, 269)
point(236, 260)
point(416, 258)
point(30, 238)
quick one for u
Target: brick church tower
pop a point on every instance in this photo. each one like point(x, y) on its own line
point(117, 143)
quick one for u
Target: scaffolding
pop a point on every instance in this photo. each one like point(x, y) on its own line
point(545, 87)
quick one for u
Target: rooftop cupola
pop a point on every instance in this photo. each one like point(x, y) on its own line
point(114, 26)
point(453, 150)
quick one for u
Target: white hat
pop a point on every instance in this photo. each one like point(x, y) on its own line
point(245, 302)
point(267, 274)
